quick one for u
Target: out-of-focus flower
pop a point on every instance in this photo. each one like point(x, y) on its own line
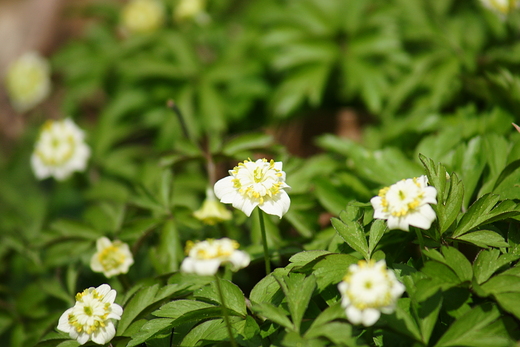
point(251, 184)
point(367, 290)
point(142, 16)
point(111, 258)
point(205, 257)
point(406, 203)
point(60, 150)
point(28, 81)
point(91, 318)
point(212, 211)
point(188, 9)
point(501, 7)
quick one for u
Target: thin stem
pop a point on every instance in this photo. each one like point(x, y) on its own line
point(173, 106)
point(264, 241)
point(421, 242)
point(225, 313)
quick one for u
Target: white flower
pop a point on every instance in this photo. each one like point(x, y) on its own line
point(205, 257)
point(142, 16)
point(367, 290)
point(501, 7)
point(111, 258)
point(212, 211)
point(60, 150)
point(251, 184)
point(405, 203)
point(28, 81)
point(91, 317)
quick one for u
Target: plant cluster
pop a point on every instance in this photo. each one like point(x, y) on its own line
point(114, 228)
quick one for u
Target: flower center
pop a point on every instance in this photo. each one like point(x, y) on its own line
point(90, 313)
point(54, 147)
point(257, 180)
point(368, 286)
point(111, 257)
point(402, 198)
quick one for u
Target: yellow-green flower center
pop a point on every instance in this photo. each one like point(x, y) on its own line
point(402, 198)
point(111, 257)
point(257, 181)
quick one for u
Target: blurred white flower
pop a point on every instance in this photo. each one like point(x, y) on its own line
point(91, 318)
point(142, 16)
point(205, 257)
point(187, 9)
point(28, 81)
point(406, 203)
point(212, 211)
point(60, 150)
point(501, 7)
point(367, 290)
point(111, 258)
point(251, 184)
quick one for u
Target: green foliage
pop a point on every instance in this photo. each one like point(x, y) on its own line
point(433, 86)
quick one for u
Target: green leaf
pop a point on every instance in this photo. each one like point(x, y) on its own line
point(302, 221)
point(274, 314)
point(148, 330)
point(484, 211)
point(305, 257)
point(177, 308)
point(450, 193)
point(233, 296)
point(509, 302)
point(339, 333)
point(475, 328)
point(502, 284)
point(428, 314)
point(247, 142)
point(377, 230)
point(489, 261)
point(353, 234)
point(328, 195)
point(143, 300)
point(402, 320)
point(268, 289)
point(298, 291)
point(484, 238)
point(331, 269)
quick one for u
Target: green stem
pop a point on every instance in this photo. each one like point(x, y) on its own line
point(421, 241)
point(264, 241)
point(225, 313)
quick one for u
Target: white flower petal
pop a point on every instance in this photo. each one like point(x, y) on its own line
point(239, 260)
point(207, 267)
point(370, 316)
point(353, 314)
point(83, 338)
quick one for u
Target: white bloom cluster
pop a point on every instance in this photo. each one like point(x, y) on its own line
point(501, 7)
point(255, 183)
point(142, 16)
point(60, 150)
point(406, 203)
point(28, 81)
point(111, 258)
point(205, 257)
point(212, 211)
point(91, 318)
point(368, 289)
